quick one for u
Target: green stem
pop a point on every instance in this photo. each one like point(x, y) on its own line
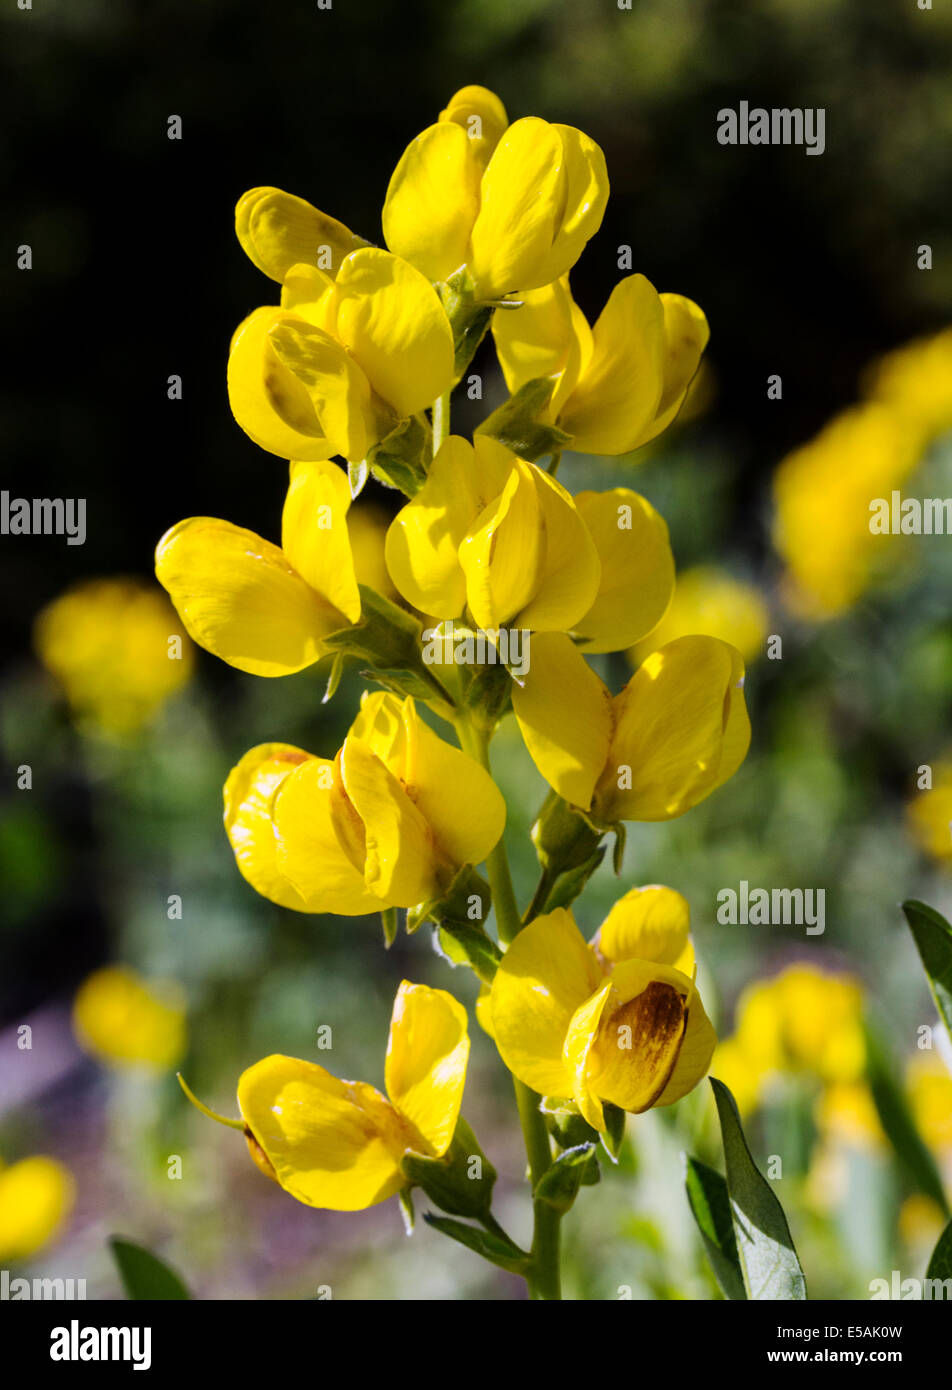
point(441, 420)
point(543, 1277)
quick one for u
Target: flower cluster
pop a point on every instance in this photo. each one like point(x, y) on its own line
point(349, 376)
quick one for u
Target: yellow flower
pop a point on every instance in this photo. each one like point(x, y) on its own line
point(711, 602)
point(741, 1072)
point(341, 361)
point(621, 383)
point(929, 814)
point(387, 823)
point(822, 494)
point(124, 1021)
point(278, 230)
point(514, 205)
point(676, 732)
point(263, 609)
point(616, 1021)
point(804, 1020)
point(109, 643)
point(914, 382)
point(367, 529)
point(339, 1144)
point(846, 1113)
point(930, 1093)
point(36, 1197)
point(498, 535)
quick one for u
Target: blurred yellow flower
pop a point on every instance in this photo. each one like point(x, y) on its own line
point(387, 823)
point(914, 382)
point(621, 382)
point(514, 204)
point(709, 601)
point(615, 1021)
point(263, 608)
point(921, 1221)
point(117, 649)
point(929, 1085)
point(846, 1114)
point(339, 1144)
point(676, 732)
point(36, 1197)
point(125, 1021)
point(822, 494)
point(929, 814)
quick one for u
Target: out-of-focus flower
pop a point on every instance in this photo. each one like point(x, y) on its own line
point(342, 361)
point(621, 383)
point(126, 1021)
point(921, 1222)
point(676, 732)
point(514, 204)
point(387, 823)
point(800, 1022)
point(929, 1085)
point(711, 602)
point(846, 1114)
point(259, 607)
point(914, 382)
point(117, 649)
point(929, 814)
point(36, 1197)
point(339, 1144)
point(616, 1021)
point(822, 494)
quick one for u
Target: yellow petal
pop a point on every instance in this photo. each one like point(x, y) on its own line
point(463, 807)
point(577, 1047)
point(616, 399)
point(502, 555)
point(694, 1059)
point(519, 211)
point(268, 401)
point(314, 534)
point(433, 199)
point(570, 572)
point(637, 569)
point(277, 230)
point(309, 293)
point(639, 1035)
point(425, 536)
point(681, 729)
point(649, 923)
point(336, 387)
point(334, 1144)
point(583, 197)
point(390, 318)
point(249, 792)
point(686, 335)
point(240, 599)
point(401, 866)
point(426, 1062)
point(380, 724)
point(564, 713)
point(545, 976)
point(483, 117)
point(36, 1196)
point(309, 854)
point(541, 339)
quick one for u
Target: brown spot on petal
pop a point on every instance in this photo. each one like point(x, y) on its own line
point(637, 1047)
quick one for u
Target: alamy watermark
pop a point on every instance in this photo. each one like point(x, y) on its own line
point(910, 516)
point(778, 126)
point(773, 907)
point(448, 646)
point(43, 516)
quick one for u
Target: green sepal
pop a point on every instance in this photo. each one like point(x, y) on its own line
point(468, 320)
point(558, 1187)
point(566, 1124)
point(333, 677)
point(468, 945)
point(489, 695)
point(618, 852)
point(357, 475)
point(405, 1196)
point(387, 638)
point(454, 907)
point(568, 886)
point(517, 425)
point(613, 1135)
point(388, 920)
point(449, 1181)
point(503, 1253)
point(401, 459)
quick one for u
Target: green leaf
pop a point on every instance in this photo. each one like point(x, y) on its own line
point(896, 1118)
point(614, 1133)
point(933, 937)
point(388, 920)
point(143, 1275)
point(400, 461)
point(498, 1251)
point(711, 1206)
point(765, 1249)
point(455, 1182)
point(558, 1187)
point(469, 945)
point(516, 422)
point(940, 1265)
